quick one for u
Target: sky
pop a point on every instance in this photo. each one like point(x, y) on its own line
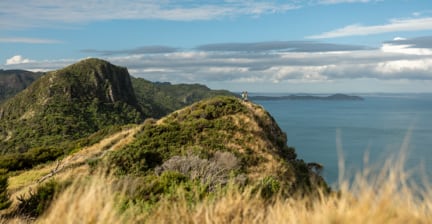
point(292, 46)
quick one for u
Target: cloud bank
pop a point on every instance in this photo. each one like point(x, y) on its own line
point(266, 63)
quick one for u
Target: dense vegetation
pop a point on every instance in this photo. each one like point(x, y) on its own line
point(159, 99)
point(61, 111)
point(198, 152)
point(209, 144)
point(4, 195)
point(194, 154)
point(14, 81)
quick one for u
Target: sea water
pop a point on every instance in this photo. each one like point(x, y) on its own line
point(377, 128)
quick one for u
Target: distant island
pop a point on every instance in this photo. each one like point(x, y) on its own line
point(308, 97)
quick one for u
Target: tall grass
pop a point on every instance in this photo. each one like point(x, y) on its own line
point(86, 201)
point(372, 197)
point(380, 194)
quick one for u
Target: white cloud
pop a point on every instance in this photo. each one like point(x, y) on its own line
point(395, 25)
point(37, 13)
point(387, 64)
point(17, 59)
point(28, 40)
point(404, 66)
point(405, 49)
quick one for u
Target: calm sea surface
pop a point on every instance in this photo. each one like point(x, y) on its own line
point(378, 125)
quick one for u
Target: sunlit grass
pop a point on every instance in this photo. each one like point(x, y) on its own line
point(383, 193)
point(373, 197)
point(25, 178)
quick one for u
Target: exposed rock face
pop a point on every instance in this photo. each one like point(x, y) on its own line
point(107, 82)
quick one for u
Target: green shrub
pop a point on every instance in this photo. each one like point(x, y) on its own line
point(39, 201)
point(133, 161)
point(4, 196)
point(205, 128)
point(269, 187)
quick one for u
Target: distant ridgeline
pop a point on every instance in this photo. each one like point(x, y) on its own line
point(14, 81)
point(78, 105)
point(308, 97)
point(161, 98)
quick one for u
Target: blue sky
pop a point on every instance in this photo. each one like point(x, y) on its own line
point(317, 46)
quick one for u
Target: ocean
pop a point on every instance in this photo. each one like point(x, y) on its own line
point(377, 128)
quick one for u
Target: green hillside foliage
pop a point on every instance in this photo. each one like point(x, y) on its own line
point(14, 81)
point(59, 110)
point(201, 150)
point(198, 129)
point(192, 155)
point(4, 196)
point(159, 99)
point(209, 144)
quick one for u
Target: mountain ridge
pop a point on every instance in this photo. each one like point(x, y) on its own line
point(47, 119)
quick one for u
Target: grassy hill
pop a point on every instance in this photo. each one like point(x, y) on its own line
point(220, 160)
point(201, 149)
point(243, 131)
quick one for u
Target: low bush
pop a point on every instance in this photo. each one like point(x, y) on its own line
point(37, 202)
point(4, 195)
point(213, 172)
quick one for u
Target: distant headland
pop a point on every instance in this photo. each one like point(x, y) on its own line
point(309, 97)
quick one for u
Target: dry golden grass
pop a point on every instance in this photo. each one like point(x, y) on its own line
point(383, 197)
point(72, 165)
point(30, 176)
point(374, 195)
point(85, 202)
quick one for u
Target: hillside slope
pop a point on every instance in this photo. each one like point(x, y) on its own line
point(64, 106)
point(159, 99)
point(59, 111)
point(195, 152)
point(243, 132)
point(14, 81)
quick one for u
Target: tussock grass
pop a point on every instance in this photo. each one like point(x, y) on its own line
point(383, 197)
point(86, 201)
point(376, 194)
point(69, 167)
